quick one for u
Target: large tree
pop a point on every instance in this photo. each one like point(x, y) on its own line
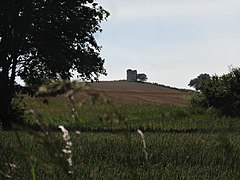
point(43, 40)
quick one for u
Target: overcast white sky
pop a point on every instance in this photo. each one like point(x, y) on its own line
point(172, 41)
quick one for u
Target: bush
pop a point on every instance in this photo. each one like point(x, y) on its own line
point(198, 100)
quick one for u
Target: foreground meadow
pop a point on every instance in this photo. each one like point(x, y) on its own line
point(111, 156)
point(104, 142)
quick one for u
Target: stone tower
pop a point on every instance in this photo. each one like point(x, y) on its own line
point(131, 75)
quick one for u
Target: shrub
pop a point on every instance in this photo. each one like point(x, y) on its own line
point(198, 100)
point(221, 92)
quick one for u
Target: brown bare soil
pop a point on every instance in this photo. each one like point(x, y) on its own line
point(132, 92)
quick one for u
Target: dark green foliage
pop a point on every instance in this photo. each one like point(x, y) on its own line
point(221, 92)
point(51, 38)
point(45, 40)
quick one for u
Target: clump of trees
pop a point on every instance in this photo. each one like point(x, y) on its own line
point(220, 92)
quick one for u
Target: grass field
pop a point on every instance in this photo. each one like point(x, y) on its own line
point(181, 142)
point(111, 156)
point(104, 116)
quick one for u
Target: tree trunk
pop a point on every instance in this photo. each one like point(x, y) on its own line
point(6, 94)
point(6, 123)
point(5, 108)
point(8, 65)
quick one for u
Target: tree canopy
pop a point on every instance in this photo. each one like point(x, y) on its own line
point(198, 81)
point(44, 40)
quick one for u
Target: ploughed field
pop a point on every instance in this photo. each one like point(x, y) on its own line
point(132, 92)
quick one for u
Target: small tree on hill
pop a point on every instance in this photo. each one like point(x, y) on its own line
point(42, 40)
point(142, 77)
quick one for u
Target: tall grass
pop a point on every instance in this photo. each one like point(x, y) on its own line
point(105, 156)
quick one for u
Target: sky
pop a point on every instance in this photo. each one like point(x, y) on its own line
point(171, 41)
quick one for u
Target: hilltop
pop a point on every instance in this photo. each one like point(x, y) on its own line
point(135, 92)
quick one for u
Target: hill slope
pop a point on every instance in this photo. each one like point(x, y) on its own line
point(140, 92)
